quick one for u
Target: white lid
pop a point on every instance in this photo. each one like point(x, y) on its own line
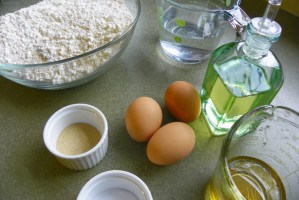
point(115, 185)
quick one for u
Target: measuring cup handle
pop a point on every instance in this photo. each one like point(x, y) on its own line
point(238, 19)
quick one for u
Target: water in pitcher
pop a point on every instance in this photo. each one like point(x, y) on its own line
point(190, 36)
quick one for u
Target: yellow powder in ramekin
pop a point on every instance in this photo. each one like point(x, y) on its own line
point(77, 138)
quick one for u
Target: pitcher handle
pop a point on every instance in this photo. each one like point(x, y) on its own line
point(238, 19)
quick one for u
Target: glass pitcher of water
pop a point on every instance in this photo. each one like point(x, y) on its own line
point(190, 30)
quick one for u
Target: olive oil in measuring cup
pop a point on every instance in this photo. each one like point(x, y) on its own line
point(254, 179)
point(259, 159)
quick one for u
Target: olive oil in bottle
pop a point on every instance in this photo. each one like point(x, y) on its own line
point(242, 75)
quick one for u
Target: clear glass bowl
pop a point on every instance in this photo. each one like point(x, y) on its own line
point(19, 73)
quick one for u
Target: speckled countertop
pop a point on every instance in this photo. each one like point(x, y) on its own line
point(29, 171)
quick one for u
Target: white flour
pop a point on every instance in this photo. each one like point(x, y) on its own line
point(53, 30)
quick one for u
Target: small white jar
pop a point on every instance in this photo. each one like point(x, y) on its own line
point(114, 185)
point(77, 113)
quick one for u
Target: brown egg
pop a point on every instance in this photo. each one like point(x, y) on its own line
point(170, 143)
point(183, 101)
point(143, 118)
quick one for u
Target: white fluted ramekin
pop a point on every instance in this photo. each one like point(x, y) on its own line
point(115, 184)
point(77, 113)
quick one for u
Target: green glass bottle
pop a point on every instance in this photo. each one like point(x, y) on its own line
point(242, 75)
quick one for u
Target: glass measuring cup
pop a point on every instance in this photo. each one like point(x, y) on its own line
point(259, 158)
point(189, 30)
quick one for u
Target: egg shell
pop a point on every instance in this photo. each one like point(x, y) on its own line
point(171, 143)
point(143, 118)
point(183, 101)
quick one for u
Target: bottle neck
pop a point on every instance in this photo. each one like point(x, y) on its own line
point(256, 46)
point(260, 34)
